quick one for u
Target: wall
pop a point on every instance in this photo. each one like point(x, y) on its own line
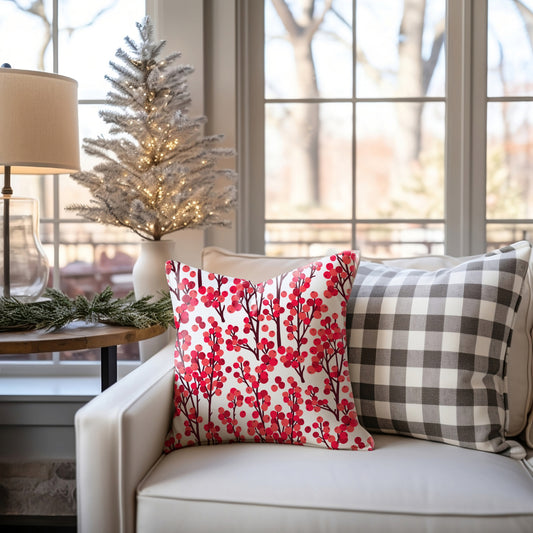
point(38, 427)
point(204, 33)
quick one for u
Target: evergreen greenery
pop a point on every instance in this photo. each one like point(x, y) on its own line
point(57, 310)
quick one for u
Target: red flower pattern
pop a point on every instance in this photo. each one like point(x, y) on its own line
point(265, 362)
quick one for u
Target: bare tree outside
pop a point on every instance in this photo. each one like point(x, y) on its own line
point(301, 28)
point(414, 77)
point(508, 165)
point(37, 9)
point(399, 152)
point(312, 169)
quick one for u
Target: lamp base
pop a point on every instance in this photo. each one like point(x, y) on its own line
point(21, 251)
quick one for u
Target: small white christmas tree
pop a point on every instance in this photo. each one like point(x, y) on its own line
point(158, 172)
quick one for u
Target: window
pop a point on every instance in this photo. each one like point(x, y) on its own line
point(76, 39)
point(509, 121)
point(408, 141)
point(384, 122)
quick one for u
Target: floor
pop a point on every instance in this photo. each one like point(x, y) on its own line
point(38, 497)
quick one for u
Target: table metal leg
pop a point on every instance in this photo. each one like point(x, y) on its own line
point(109, 366)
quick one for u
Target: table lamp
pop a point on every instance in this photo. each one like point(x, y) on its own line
point(38, 135)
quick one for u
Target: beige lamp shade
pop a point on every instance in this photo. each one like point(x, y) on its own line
point(38, 122)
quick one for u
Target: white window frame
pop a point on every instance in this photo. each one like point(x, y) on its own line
point(465, 147)
point(166, 14)
point(224, 40)
point(205, 32)
point(466, 127)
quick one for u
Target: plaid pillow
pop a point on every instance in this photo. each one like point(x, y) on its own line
point(427, 350)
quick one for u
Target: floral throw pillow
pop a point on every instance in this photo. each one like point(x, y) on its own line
point(265, 362)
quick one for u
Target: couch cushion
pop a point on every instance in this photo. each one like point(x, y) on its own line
point(265, 362)
point(520, 358)
point(253, 267)
point(403, 485)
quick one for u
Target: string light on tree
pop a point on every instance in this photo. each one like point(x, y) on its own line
point(157, 173)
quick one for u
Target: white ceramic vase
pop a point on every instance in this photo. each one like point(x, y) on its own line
point(149, 279)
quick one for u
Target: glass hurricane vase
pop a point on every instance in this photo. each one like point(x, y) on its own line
point(21, 249)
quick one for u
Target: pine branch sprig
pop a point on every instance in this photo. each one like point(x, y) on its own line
point(57, 310)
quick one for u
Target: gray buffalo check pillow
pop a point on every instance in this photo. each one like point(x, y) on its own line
point(427, 350)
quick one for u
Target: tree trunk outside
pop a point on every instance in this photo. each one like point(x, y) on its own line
point(304, 181)
point(305, 130)
point(408, 141)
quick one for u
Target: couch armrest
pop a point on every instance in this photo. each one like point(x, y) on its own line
point(119, 436)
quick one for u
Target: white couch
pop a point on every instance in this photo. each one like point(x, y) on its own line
point(125, 484)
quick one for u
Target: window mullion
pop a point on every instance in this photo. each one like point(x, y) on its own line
point(478, 132)
point(466, 73)
point(55, 35)
point(251, 126)
point(56, 359)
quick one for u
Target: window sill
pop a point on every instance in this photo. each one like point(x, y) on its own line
point(49, 388)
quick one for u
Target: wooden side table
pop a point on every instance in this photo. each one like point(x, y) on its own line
point(79, 336)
